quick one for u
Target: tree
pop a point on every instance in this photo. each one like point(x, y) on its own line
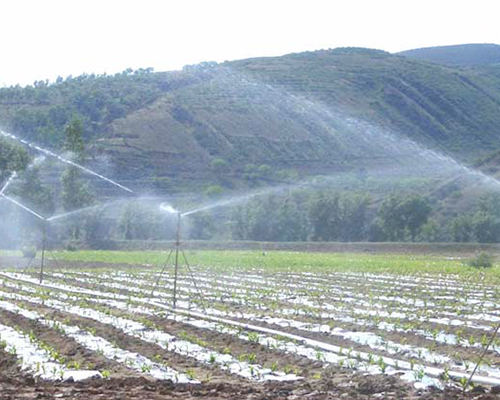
point(270, 218)
point(402, 217)
point(219, 165)
point(202, 226)
point(486, 227)
point(140, 221)
point(415, 211)
point(73, 139)
point(76, 192)
point(12, 158)
point(324, 216)
point(34, 193)
point(390, 218)
point(460, 229)
point(430, 232)
point(353, 217)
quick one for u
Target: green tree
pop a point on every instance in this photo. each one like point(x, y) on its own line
point(460, 229)
point(324, 216)
point(12, 158)
point(270, 218)
point(415, 211)
point(486, 227)
point(75, 191)
point(138, 221)
point(35, 194)
point(202, 226)
point(219, 165)
point(73, 139)
point(402, 217)
point(430, 232)
point(354, 210)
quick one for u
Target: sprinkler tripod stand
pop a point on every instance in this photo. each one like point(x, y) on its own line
point(44, 250)
point(178, 250)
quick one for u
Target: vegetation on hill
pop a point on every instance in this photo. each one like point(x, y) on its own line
point(39, 112)
point(297, 114)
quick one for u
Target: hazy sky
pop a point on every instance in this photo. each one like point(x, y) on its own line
point(43, 39)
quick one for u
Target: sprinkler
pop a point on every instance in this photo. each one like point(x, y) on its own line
point(178, 251)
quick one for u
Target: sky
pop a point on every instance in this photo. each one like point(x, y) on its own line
point(44, 39)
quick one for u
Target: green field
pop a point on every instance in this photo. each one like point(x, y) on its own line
point(294, 261)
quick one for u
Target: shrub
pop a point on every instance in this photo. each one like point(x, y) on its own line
point(28, 251)
point(481, 260)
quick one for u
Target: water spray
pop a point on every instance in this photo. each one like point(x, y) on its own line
point(64, 160)
point(23, 206)
point(44, 229)
point(11, 178)
point(36, 161)
point(82, 210)
point(237, 199)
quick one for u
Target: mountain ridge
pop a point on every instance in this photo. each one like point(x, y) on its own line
point(464, 55)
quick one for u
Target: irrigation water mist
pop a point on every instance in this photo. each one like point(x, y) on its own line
point(238, 199)
point(11, 178)
point(14, 175)
point(73, 213)
point(23, 207)
point(168, 208)
point(389, 151)
point(62, 159)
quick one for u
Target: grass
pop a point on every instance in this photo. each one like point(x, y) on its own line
point(293, 261)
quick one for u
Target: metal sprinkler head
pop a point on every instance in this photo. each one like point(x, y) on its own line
point(168, 208)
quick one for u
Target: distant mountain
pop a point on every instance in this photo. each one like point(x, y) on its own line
point(266, 120)
point(464, 55)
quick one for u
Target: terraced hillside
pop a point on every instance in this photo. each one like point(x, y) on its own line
point(308, 113)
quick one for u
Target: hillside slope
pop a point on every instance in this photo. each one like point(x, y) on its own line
point(464, 55)
point(311, 113)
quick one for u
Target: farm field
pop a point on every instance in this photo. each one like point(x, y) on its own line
point(247, 325)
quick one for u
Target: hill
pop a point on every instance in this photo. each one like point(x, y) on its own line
point(267, 120)
point(313, 113)
point(465, 55)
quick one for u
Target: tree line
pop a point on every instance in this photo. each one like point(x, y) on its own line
point(352, 217)
point(297, 215)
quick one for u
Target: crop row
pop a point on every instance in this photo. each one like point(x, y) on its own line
point(107, 297)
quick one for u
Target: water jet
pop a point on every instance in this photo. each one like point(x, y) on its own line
point(64, 160)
